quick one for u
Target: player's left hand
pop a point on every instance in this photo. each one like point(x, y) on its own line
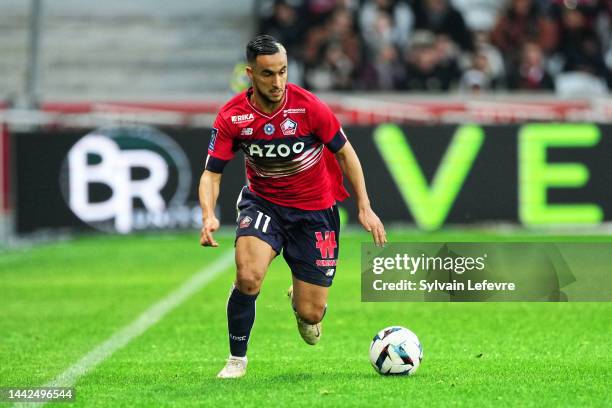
point(372, 224)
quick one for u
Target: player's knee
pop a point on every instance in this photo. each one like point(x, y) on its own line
point(248, 281)
point(311, 314)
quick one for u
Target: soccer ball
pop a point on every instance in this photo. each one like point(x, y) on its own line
point(396, 351)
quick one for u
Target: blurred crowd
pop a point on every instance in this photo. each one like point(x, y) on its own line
point(443, 45)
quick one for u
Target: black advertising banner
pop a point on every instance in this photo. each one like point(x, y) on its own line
point(132, 178)
point(468, 190)
point(115, 179)
point(533, 174)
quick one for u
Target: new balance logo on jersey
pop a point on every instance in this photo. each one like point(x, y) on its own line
point(242, 118)
point(246, 132)
point(270, 150)
point(326, 245)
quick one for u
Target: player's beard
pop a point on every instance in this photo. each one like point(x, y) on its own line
point(268, 98)
point(277, 98)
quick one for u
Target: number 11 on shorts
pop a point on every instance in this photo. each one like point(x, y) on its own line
point(261, 215)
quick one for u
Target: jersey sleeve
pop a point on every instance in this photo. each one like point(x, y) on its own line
point(327, 127)
point(220, 148)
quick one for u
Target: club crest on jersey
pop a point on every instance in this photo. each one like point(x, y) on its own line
point(269, 129)
point(245, 222)
point(288, 127)
point(213, 139)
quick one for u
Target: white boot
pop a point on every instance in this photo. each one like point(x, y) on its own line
point(234, 368)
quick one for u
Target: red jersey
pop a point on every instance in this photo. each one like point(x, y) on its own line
point(289, 153)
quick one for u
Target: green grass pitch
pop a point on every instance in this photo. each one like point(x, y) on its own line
point(59, 301)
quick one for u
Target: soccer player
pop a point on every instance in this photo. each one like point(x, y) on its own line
point(295, 150)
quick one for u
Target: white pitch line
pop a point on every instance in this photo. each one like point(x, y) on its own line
point(142, 323)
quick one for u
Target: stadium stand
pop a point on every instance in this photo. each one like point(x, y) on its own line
point(149, 48)
point(116, 50)
point(443, 45)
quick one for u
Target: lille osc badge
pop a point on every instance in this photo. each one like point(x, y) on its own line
point(288, 127)
point(246, 221)
point(269, 129)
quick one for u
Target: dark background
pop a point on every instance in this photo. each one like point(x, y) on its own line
point(489, 194)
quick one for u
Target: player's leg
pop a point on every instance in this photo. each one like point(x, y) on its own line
point(311, 252)
point(309, 304)
point(253, 256)
point(258, 241)
point(309, 301)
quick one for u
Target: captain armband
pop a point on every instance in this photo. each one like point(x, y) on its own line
point(215, 165)
point(337, 142)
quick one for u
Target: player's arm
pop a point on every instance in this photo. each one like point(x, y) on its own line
point(220, 152)
point(208, 192)
point(351, 167)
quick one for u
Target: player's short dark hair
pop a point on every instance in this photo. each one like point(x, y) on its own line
point(262, 45)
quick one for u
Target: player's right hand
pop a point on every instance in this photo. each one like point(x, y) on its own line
point(209, 225)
